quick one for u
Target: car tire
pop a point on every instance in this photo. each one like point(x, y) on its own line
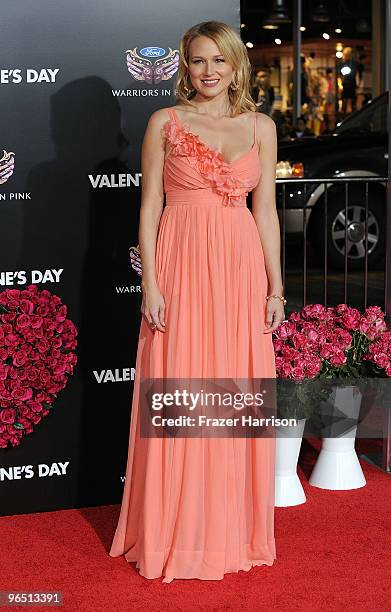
point(356, 231)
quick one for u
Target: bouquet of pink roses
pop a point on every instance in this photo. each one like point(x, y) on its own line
point(333, 342)
point(37, 356)
point(321, 343)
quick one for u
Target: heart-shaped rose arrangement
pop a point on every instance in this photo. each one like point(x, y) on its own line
point(37, 356)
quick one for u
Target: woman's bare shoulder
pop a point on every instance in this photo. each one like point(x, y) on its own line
point(265, 125)
point(160, 115)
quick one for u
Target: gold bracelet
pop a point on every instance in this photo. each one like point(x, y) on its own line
point(280, 297)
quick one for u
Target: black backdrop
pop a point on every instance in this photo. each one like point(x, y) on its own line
point(74, 117)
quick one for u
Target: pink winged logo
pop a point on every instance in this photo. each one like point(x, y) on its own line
point(135, 259)
point(144, 69)
point(7, 163)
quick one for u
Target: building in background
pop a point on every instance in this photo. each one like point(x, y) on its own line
point(343, 58)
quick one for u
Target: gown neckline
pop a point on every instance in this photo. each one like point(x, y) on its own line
point(185, 127)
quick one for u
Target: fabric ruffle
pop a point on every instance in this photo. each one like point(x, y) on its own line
point(208, 161)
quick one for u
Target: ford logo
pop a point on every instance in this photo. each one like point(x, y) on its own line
point(152, 51)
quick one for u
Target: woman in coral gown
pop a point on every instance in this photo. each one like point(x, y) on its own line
point(200, 507)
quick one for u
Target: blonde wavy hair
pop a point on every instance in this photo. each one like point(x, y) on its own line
point(235, 53)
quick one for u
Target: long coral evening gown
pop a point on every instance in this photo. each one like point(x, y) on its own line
point(191, 507)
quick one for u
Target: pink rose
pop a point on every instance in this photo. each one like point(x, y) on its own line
point(49, 325)
point(286, 370)
point(294, 317)
point(20, 359)
point(13, 373)
point(25, 411)
point(278, 344)
point(56, 342)
point(22, 321)
point(7, 415)
point(312, 335)
point(44, 375)
point(313, 368)
point(12, 304)
point(38, 333)
point(12, 294)
point(26, 306)
point(42, 310)
point(29, 336)
point(338, 358)
point(344, 339)
point(351, 319)
point(60, 369)
point(298, 372)
point(299, 340)
point(34, 406)
point(286, 330)
point(61, 314)
point(45, 295)
point(373, 313)
point(5, 395)
point(313, 311)
point(22, 372)
point(31, 289)
point(28, 428)
point(11, 340)
point(326, 351)
point(340, 309)
point(43, 345)
point(381, 360)
point(32, 373)
point(22, 393)
point(288, 353)
point(37, 322)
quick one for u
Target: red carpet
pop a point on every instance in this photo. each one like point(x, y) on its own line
point(333, 554)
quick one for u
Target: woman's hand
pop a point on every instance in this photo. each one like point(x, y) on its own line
point(275, 315)
point(153, 308)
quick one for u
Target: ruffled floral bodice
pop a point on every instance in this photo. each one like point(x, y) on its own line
point(232, 181)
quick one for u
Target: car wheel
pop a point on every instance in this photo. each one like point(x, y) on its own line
point(355, 222)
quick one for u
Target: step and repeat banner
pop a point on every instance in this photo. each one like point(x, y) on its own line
point(78, 82)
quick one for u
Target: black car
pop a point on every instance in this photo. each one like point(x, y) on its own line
point(357, 147)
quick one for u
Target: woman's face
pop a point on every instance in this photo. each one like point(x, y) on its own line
point(209, 73)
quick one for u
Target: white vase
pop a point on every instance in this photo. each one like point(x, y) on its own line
point(288, 488)
point(337, 467)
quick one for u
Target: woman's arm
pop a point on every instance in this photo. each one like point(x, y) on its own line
point(266, 218)
point(264, 202)
point(152, 196)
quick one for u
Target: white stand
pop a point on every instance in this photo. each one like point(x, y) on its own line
point(337, 467)
point(288, 488)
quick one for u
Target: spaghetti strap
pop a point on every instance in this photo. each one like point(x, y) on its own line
point(173, 115)
point(255, 128)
